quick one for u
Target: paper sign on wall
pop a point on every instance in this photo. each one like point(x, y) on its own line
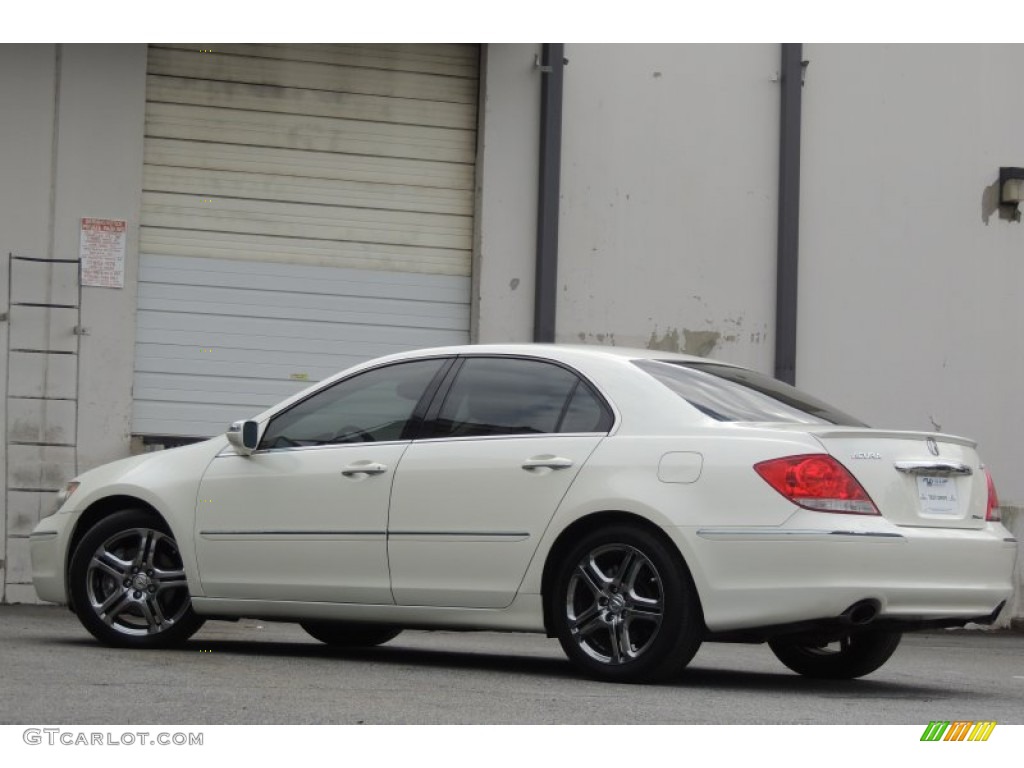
point(101, 249)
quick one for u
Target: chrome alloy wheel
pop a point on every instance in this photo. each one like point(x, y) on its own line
point(615, 604)
point(135, 582)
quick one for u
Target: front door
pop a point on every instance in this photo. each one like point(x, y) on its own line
point(304, 518)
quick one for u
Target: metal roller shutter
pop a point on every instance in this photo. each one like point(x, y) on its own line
point(304, 207)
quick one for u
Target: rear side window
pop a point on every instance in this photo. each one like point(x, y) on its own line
point(512, 396)
point(726, 393)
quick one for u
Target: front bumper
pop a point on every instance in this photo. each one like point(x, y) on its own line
point(48, 548)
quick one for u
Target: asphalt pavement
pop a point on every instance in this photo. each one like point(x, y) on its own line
point(255, 672)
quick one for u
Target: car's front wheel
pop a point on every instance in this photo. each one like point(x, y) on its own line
point(127, 583)
point(852, 656)
point(342, 634)
point(624, 606)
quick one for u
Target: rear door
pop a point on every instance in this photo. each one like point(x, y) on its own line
point(470, 503)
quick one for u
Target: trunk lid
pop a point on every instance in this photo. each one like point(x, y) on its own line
point(920, 479)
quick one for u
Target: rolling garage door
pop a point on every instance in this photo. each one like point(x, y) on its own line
point(305, 208)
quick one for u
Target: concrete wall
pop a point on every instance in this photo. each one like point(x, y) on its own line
point(909, 308)
point(1013, 614)
point(72, 147)
point(910, 274)
point(909, 271)
point(506, 215)
point(27, 82)
point(669, 186)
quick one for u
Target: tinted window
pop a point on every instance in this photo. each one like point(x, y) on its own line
point(585, 413)
point(735, 394)
point(372, 406)
point(505, 396)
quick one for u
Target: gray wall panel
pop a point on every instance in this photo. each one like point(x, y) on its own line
point(237, 342)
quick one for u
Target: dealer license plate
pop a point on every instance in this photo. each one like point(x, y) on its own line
point(938, 495)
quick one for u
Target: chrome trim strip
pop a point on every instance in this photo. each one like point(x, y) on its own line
point(501, 535)
point(531, 436)
point(933, 467)
point(292, 533)
point(230, 451)
point(43, 535)
point(464, 534)
point(805, 534)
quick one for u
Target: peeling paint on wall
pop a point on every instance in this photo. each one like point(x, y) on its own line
point(600, 338)
point(700, 343)
point(667, 343)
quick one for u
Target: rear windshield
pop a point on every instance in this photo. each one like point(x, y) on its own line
point(726, 393)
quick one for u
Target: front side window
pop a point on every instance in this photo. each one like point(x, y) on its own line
point(510, 396)
point(727, 393)
point(369, 407)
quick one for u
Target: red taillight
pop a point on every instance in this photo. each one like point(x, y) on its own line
point(992, 508)
point(819, 482)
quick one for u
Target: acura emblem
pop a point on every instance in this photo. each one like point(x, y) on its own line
point(933, 447)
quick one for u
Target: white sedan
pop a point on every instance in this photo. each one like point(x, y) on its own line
point(630, 503)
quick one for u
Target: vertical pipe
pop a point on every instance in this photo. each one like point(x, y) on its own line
point(546, 284)
point(789, 214)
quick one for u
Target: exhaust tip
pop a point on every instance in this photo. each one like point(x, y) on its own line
point(860, 613)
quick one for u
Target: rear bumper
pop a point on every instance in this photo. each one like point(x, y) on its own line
point(818, 565)
point(830, 629)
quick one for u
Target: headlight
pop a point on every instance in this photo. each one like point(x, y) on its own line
point(65, 493)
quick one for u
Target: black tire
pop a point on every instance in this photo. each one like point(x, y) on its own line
point(624, 607)
point(127, 583)
point(343, 634)
point(855, 655)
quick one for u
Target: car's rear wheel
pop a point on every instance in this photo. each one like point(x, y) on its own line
point(342, 634)
point(127, 583)
point(624, 606)
point(852, 656)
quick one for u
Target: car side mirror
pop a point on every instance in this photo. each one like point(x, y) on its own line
point(244, 436)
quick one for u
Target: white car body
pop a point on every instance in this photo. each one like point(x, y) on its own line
point(455, 532)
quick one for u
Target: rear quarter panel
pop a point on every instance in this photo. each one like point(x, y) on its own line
point(623, 475)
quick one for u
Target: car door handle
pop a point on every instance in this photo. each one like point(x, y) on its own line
point(547, 462)
point(364, 468)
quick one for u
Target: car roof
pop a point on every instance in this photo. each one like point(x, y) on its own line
point(563, 352)
point(587, 358)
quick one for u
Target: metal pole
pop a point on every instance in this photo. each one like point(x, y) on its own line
point(546, 284)
point(789, 214)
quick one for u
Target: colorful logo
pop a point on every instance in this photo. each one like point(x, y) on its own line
point(958, 730)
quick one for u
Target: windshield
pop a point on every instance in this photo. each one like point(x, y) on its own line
point(726, 393)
